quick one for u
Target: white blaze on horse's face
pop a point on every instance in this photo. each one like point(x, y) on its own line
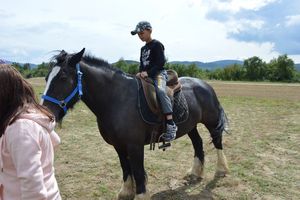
point(53, 73)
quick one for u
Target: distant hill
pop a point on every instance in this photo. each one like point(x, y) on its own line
point(2, 61)
point(203, 65)
point(217, 64)
point(210, 65)
point(32, 66)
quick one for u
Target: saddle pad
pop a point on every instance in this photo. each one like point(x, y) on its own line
point(180, 108)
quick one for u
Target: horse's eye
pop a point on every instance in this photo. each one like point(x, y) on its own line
point(63, 74)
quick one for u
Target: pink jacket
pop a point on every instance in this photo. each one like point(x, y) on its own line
point(26, 159)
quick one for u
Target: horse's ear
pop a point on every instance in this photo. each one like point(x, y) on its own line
point(77, 57)
point(61, 56)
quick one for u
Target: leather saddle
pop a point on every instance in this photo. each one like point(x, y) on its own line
point(173, 86)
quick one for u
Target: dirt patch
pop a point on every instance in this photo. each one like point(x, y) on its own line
point(258, 90)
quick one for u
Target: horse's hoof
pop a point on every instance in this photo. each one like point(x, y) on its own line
point(125, 197)
point(221, 174)
point(192, 179)
point(197, 169)
point(143, 196)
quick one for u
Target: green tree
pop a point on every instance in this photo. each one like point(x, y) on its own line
point(41, 70)
point(179, 68)
point(216, 74)
point(121, 64)
point(18, 67)
point(26, 66)
point(233, 72)
point(297, 77)
point(255, 68)
point(192, 71)
point(24, 70)
point(133, 69)
point(281, 69)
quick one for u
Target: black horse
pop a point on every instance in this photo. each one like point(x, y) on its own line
point(112, 96)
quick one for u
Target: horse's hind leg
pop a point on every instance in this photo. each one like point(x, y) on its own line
point(222, 166)
point(127, 190)
point(197, 168)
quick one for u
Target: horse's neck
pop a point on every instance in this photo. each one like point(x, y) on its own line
point(95, 82)
point(101, 87)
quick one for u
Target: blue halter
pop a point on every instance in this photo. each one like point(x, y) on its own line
point(63, 103)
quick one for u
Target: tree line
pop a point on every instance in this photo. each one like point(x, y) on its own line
point(280, 69)
point(40, 71)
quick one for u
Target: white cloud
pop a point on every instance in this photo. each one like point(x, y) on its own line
point(237, 26)
point(260, 22)
point(235, 6)
point(36, 28)
point(293, 20)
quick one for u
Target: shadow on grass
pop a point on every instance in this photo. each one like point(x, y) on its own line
point(188, 191)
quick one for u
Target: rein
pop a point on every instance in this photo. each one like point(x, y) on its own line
point(63, 103)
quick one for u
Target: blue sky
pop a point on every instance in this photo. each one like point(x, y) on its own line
point(192, 30)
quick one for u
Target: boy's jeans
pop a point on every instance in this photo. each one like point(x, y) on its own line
point(160, 82)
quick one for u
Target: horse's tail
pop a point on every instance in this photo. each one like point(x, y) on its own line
point(223, 124)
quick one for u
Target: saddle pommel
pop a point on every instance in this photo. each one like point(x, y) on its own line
point(172, 77)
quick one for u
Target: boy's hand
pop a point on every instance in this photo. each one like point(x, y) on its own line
point(144, 74)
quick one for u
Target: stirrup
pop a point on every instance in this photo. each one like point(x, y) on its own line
point(164, 144)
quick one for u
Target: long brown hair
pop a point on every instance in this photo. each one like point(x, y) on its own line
point(16, 96)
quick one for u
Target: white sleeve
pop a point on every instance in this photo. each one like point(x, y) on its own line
point(23, 144)
point(55, 139)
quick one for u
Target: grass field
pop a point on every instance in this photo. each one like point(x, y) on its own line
point(263, 151)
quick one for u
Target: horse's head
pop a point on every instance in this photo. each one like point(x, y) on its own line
point(63, 84)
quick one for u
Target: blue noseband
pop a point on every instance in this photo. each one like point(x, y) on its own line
point(63, 103)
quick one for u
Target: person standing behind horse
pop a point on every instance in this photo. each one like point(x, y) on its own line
point(152, 61)
point(27, 141)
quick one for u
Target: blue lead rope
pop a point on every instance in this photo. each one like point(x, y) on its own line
point(79, 84)
point(63, 103)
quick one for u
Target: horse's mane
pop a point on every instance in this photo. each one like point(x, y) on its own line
point(90, 60)
point(100, 63)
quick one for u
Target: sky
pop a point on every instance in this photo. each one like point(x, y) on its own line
point(191, 30)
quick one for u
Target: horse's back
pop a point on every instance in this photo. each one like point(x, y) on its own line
point(199, 87)
point(201, 98)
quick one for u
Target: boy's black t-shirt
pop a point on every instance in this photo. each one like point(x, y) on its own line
point(152, 58)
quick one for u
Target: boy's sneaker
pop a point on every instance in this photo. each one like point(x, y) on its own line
point(170, 133)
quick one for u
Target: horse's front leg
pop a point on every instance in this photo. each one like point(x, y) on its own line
point(127, 190)
point(196, 172)
point(136, 159)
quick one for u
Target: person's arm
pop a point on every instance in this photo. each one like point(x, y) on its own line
point(55, 139)
point(157, 61)
point(1, 191)
point(141, 62)
point(23, 143)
